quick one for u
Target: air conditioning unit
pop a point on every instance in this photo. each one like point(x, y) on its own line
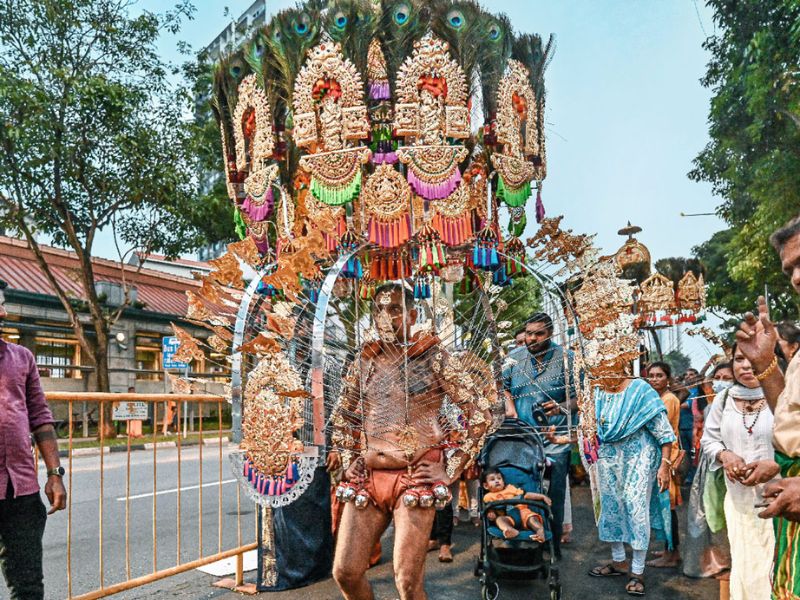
point(114, 292)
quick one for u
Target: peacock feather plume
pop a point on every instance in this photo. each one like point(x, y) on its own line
point(494, 50)
point(353, 24)
point(459, 23)
point(402, 22)
point(289, 36)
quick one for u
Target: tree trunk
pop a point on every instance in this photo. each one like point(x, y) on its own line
point(103, 383)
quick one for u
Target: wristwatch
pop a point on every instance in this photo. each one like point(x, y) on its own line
point(58, 472)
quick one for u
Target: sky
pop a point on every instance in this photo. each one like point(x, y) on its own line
point(626, 113)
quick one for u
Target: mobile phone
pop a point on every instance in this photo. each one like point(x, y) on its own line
point(539, 417)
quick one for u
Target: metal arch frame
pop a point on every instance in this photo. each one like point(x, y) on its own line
point(318, 337)
point(318, 344)
point(236, 357)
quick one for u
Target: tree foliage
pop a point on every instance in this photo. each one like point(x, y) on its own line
point(753, 158)
point(94, 136)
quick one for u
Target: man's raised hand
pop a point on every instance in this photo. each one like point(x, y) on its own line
point(757, 337)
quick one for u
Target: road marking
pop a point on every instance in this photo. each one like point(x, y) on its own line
point(174, 490)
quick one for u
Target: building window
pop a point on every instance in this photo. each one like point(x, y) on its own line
point(53, 354)
point(148, 357)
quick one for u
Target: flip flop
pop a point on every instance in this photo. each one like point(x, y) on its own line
point(632, 592)
point(608, 570)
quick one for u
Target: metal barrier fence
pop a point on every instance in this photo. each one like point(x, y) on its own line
point(230, 540)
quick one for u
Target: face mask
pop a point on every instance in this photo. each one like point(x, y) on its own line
point(720, 385)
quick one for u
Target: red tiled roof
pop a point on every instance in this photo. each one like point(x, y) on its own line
point(160, 292)
point(186, 262)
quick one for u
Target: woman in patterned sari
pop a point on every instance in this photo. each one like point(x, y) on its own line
point(634, 473)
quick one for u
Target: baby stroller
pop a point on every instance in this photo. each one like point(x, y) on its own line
point(516, 450)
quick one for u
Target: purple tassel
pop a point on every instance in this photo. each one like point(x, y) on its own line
point(259, 212)
point(434, 191)
point(539, 207)
point(379, 90)
point(262, 245)
point(384, 157)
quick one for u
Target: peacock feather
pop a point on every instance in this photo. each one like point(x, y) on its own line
point(496, 39)
point(459, 23)
point(353, 24)
point(402, 23)
point(228, 74)
point(289, 35)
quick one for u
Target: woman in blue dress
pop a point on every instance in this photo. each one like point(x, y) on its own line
point(634, 472)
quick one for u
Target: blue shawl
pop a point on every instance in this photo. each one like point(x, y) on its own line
point(623, 414)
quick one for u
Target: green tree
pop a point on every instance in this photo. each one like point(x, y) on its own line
point(678, 361)
point(753, 158)
point(93, 137)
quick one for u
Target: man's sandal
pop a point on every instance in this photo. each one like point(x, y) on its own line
point(635, 586)
point(608, 570)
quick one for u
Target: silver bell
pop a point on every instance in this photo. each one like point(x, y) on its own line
point(426, 499)
point(362, 499)
point(440, 503)
point(441, 491)
point(349, 493)
point(340, 491)
point(410, 499)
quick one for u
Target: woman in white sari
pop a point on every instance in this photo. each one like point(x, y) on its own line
point(738, 432)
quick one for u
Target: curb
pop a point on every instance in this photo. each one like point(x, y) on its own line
point(84, 452)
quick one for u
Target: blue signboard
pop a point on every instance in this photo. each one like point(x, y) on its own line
point(169, 346)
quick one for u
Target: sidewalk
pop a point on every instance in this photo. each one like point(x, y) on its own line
point(91, 446)
point(456, 581)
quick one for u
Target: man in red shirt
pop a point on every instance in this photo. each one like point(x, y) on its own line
point(24, 412)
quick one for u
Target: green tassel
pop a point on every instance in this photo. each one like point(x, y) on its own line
point(336, 196)
point(516, 228)
point(238, 222)
point(513, 196)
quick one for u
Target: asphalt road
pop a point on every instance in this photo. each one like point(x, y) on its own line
point(85, 555)
point(456, 582)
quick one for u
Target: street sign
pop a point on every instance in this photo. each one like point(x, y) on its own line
point(169, 346)
point(129, 411)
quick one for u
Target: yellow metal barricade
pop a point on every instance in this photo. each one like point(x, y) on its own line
point(127, 578)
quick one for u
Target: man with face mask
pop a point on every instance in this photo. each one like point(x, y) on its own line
point(22, 515)
point(409, 420)
point(536, 378)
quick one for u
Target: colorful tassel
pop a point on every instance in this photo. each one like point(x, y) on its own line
point(259, 211)
point(352, 268)
point(239, 224)
point(434, 191)
point(431, 252)
point(513, 196)
point(339, 195)
point(539, 205)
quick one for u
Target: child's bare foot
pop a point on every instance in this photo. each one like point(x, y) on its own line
point(510, 533)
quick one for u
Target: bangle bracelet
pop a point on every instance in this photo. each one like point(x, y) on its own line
point(769, 370)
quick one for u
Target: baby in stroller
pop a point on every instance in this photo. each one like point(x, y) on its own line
point(520, 515)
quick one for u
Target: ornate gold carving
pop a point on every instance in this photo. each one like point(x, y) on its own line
point(253, 106)
point(328, 90)
point(632, 252)
point(386, 194)
point(691, 293)
point(658, 294)
point(274, 400)
point(432, 164)
point(336, 169)
point(516, 112)
point(515, 171)
point(431, 94)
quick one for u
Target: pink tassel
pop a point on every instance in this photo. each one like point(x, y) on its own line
point(259, 212)
point(434, 191)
